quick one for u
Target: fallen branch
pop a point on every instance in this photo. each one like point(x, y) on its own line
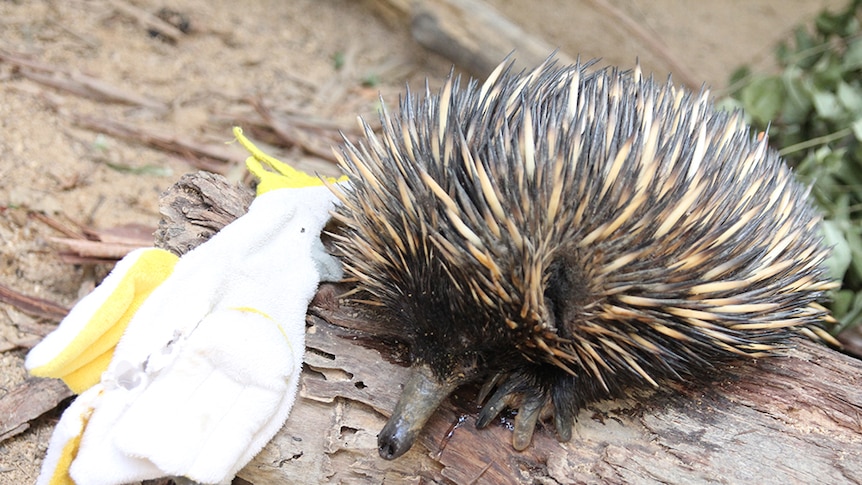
point(779, 420)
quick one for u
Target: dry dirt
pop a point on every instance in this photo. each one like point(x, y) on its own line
point(281, 52)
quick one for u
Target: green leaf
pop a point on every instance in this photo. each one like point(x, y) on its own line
point(841, 302)
point(370, 80)
point(846, 308)
point(830, 160)
point(851, 98)
point(797, 103)
point(857, 129)
point(730, 105)
point(827, 73)
point(839, 260)
point(830, 24)
point(827, 106)
point(852, 317)
point(804, 41)
point(815, 109)
point(763, 98)
point(784, 54)
point(855, 243)
point(740, 74)
point(852, 59)
point(738, 78)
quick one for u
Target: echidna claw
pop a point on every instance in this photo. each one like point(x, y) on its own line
point(563, 422)
point(500, 400)
point(522, 392)
point(514, 394)
point(525, 421)
point(489, 386)
point(489, 412)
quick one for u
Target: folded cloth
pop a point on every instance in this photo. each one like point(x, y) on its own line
point(188, 366)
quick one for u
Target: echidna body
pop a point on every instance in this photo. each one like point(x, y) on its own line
point(568, 234)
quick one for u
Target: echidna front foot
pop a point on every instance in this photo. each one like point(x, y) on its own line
point(531, 397)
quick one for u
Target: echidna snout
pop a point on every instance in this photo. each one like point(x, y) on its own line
point(568, 234)
point(421, 395)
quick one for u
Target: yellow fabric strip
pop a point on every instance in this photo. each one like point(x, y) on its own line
point(61, 472)
point(60, 475)
point(249, 309)
point(284, 177)
point(277, 324)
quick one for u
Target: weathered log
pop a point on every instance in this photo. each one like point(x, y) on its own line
point(195, 208)
point(475, 36)
point(789, 419)
point(470, 33)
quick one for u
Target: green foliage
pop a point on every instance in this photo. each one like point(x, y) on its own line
point(812, 111)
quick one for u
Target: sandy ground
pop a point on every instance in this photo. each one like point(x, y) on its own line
point(281, 52)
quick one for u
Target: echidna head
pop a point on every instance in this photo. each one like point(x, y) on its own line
point(573, 232)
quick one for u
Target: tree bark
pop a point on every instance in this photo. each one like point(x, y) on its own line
point(796, 418)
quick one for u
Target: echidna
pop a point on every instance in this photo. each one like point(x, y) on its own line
point(567, 234)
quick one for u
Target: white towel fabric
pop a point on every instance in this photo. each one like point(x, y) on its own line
point(207, 370)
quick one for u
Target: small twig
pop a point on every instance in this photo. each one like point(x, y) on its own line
point(290, 134)
point(481, 472)
point(79, 84)
point(88, 245)
point(82, 249)
point(83, 85)
point(311, 122)
point(29, 63)
point(814, 142)
point(328, 129)
point(90, 42)
point(57, 225)
point(32, 305)
point(130, 234)
point(149, 20)
point(208, 157)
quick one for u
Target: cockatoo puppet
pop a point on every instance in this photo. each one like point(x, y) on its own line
point(187, 366)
